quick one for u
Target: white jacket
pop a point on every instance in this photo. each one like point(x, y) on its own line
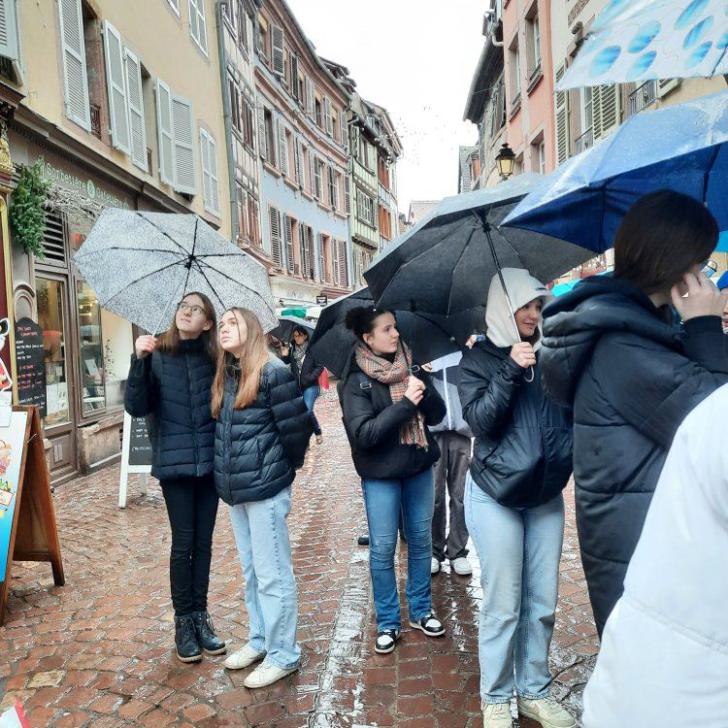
point(664, 656)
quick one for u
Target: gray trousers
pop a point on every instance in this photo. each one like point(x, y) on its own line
point(450, 472)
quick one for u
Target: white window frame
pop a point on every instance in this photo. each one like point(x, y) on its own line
point(584, 105)
point(174, 4)
point(131, 63)
point(164, 109)
point(210, 182)
point(115, 62)
point(84, 120)
point(10, 49)
point(185, 144)
point(197, 10)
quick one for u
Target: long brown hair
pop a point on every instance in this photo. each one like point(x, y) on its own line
point(170, 339)
point(254, 357)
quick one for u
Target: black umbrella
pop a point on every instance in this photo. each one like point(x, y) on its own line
point(332, 343)
point(287, 324)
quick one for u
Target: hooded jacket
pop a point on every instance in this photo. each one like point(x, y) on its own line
point(523, 441)
point(259, 448)
point(631, 378)
point(664, 654)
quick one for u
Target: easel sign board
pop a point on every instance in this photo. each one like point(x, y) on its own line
point(27, 517)
point(136, 454)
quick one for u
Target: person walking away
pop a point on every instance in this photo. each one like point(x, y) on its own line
point(614, 352)
point(307, 373)
point(387, 406)
point(261, 437)
point(453, 437)
point(169, 384)
point(514, 508)
point(663, 659)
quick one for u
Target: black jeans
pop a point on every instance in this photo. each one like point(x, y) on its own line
point(192, 509)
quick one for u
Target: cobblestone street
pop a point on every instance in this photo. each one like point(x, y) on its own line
point(99, 651)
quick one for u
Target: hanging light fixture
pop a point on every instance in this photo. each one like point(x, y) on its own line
point(505, 159)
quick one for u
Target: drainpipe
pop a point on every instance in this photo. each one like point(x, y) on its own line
point(227, 118)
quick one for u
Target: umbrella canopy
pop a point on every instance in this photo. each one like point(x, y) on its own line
point(332, 343)
point(637, 40)
point(723, 242)
point(445, 264)
point(140, 264)
point(682, 148)
point(286, 325)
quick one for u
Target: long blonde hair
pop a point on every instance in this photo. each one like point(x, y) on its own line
point(253, 358)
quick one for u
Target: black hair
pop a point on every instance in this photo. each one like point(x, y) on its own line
point(662, 236)
point(300, 330)
point(361, 319)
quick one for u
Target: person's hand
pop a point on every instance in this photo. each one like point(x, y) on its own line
point(284, 350)
point(703, 297)
point(524, 355)
point(415, 390)
point(144, 346)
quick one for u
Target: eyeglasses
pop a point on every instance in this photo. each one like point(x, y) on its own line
point(191, 308)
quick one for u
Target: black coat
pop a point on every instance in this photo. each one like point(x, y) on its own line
point(173, 392)
point(373, 425)
point(523, 441)
point(307, 376)
point(632, 378)
point(259, 448)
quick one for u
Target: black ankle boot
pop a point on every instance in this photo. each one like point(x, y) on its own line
point(206, 636)
point(185, 636)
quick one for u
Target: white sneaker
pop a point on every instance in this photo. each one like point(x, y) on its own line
point(497, 715)
point(267, 674)
point(546, 711)
point(244, 657)
point(461, 566)
point(434, 566)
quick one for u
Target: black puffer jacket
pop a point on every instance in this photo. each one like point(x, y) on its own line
point(523, 441)
point(373, 425)
point(632, 378)
point(308, 374)
point(259, 448)
point(173, 392)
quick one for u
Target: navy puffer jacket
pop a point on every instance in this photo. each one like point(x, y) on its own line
point(173, 392)
point(259, 448)
point(632, 377)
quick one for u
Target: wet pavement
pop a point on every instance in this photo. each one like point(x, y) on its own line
point(98, 652)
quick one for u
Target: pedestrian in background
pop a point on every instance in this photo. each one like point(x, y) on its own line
point(723, 286)
point(514, 508)
point(615, 351)
point(169, 384)
point(261, 436)
point(306, 372)
point(387, 408)
point(453, 437)
point(663, 659)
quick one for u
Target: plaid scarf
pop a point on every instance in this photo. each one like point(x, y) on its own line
point(395, 374)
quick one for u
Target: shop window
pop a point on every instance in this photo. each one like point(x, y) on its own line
point(91, 350)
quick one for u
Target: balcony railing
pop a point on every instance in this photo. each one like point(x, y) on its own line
point(585, 141)
point(642, 97)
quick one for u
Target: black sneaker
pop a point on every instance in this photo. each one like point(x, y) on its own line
point(430, 625)
point(386, 641)
point(185, 637)
point(206, 636)
point(363, 540)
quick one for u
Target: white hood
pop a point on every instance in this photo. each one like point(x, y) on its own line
point(522, 289)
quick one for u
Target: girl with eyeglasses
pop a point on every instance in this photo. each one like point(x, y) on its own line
point(170, 384)
point(388, 406)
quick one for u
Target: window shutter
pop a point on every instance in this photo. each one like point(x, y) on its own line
point(298, 162)
point(666, 85)
point(116, 85)
point(609, 108)
point(321, 259)
point(74, 63)
point(335, 260)
point(294, 75)
point(275, 236)
point(344, 134)
point(166, 139)
point(209, 172)
point(288, 232)
point(137, 128)
point(343, 268)
point(328, 122)
point(8, 30)
point(205, 156)
point(310, 272)
point(279, 65)
point(355, 143)
point(262, 141)
point(309, 97)
point(282, 148)
point(184, 152)
point(347, 194)
point(563, 144)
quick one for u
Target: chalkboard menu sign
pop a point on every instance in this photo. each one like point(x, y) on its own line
point(31, 366)
point(140, 448)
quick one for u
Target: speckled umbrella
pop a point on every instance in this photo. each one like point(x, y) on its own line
point(141, 264)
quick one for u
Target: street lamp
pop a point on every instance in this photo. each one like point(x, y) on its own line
point(505, 160)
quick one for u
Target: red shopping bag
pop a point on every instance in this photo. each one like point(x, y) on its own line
point(324, 379)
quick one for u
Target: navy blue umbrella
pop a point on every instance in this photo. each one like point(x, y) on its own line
point(683, 148)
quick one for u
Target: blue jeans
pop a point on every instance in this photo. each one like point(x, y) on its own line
point(309, 397)
point(384, 500)
point(519, 551)
point(261, 535)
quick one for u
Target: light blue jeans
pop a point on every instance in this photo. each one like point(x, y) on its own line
point(271, 597)
point(384, 500)
point(309, 398)
point(519, 551)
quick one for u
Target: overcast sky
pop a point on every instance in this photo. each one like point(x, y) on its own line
point(416, 58)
